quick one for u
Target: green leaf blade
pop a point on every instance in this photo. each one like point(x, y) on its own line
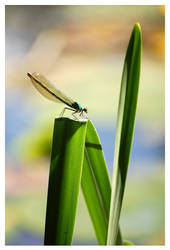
point(96, 185)
point(124, 129)
point(64, 180)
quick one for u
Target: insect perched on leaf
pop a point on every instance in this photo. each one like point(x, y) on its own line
point(48, 90)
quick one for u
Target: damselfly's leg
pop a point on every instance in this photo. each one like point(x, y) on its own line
point(75, 111)
point(82, 114)
point(62, 113)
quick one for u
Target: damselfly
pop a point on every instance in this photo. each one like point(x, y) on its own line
point(48, 90)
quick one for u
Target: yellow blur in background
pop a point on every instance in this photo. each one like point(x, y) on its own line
point(81, 49)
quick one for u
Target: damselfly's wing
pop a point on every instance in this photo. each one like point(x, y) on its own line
point(48, 90)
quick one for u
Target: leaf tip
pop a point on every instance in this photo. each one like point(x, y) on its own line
point(137, 31)
point(137, 27)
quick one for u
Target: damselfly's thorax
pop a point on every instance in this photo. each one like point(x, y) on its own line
point(78, 107)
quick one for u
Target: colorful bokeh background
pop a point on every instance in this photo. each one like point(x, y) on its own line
point(81, 49)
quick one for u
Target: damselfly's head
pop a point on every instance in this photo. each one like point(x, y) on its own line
point(85, 110)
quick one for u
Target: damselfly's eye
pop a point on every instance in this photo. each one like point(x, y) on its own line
point(85, 110)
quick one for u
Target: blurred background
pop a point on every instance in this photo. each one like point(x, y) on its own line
point(81, 49)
